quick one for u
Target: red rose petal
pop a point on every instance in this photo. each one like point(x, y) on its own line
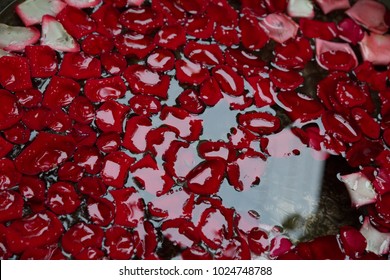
point(113, 63)
point(190, 72)
point(322, 248)
point(10, 110)
point(134, 44)
point(368, 125)
point(82, 110)
point(32, 188)
point(137, 127)
point(15, 73)
point(80, 66)
point(386, 136)
point(193, 7)
point(380, 181)
point(246, 62)
point(90, 253)
point(318, 29)
point(144, 81)
point(46, 152)
point(299, 106)
point(76, 22)
point(35, 119)
point(256, 6)
point(253, 36)
point(62, 198)
point(259, 122)
point(349, 31)
point(187, 126)
point(363, 152)
point(228, 80)
point(158, 140)
point(222, 13)
point(81, 236)
point(110, 116)
point(128, 208)
point(263, 91)
point(33, 231)
point(115, 169)
point(161, 60)
point(354, 243)
point(108, 142)
point(83, 135)
point(29, 98)
point(206, 54)
point(383, 206)
point(43, 61)
point(227, 36)
point(120, 243)
point(294, 53)
point(60, 92)
point(340, 127)
point(258, 241)
point(365, 72)
point(70, 171)
point(101, 211)
point(211, 226)
point(60, 122)
point(206, 178)
point(199, 26)
point(145, 105)
point(5, 147)
point(11, 206)
point(350, 95)
point(172, 13)
point(143, 20)
point(170, 37)
point(101, 90)
point(196, 253)
point(91, 186)
point(287, 80)
point(107, 21)
point(210, 92)
point(51, 252)
point(96, 44)
point(179, 159)
point(191, 102)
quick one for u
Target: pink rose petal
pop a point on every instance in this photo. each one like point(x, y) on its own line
point(377, 242)
point(360, 189)
point(330, 5)
point(280, 27)
point(323, 47)
point(300, 8)
point(376, 48)
point(370, 14)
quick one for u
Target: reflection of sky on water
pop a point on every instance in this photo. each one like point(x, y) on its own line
point(290, 186)
point(289, 189)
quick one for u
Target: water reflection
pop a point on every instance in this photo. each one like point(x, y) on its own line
point(289, 190)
